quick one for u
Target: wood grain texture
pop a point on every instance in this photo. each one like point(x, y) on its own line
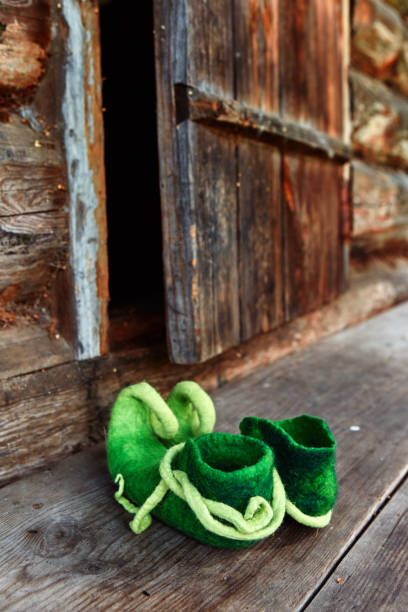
point(380, 119)
point(256, 49)
point(84, 146)
point(386, 245)
point(249, 121)
point(30, 188)
point(312, 233)
point(315, 191)
point(311, 64)
point(65, 539)
point(374, 573)
point(380, 199)
point(32, 246)
point(34, 237)
point(260, 235)
point(212, 230)
point(379, 43)
point(198, 175)
point(256, 45)
point(25, 348)
point(79, 395)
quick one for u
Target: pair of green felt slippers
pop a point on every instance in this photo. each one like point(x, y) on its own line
point(222, 489)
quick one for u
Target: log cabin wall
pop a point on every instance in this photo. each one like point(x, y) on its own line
point(53, 261)
point(379, 82)
point(34, 241)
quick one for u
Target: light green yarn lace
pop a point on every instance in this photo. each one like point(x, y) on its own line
point(306, 519)
point(259, 521)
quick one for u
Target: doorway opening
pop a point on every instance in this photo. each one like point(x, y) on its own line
point(132, 174)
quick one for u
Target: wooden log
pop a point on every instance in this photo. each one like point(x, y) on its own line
point(79, 395)
point(25, 36)
point(25, 142)
point(34, 238)
point(19, 344)
point(386, 245)
point(380, 43)
point(380, 199)
point(30, 188)
point(401, 6)
point(65, 539)
point(32, 246)
point(380, 121)
point(374, 572)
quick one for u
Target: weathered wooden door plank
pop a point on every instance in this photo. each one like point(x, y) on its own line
point(312, 191)
point(260, 237)
point(64, 538)
point(312, 80)
point(198, 175)
point(256, 64)
point(313, 47)
point(256, 46)
point(238, 66)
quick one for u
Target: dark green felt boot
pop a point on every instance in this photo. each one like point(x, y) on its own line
point(304, 450)
point(221, 489)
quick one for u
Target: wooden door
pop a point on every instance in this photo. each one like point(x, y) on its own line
point(251, 118)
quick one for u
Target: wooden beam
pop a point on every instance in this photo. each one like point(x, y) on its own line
point(82, 112)
point(202, 107)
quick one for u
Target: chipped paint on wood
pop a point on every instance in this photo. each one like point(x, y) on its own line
point(86, 179)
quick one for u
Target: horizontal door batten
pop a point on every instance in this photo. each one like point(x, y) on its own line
point(199, 106)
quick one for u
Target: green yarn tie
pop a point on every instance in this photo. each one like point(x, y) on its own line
point(259, 521)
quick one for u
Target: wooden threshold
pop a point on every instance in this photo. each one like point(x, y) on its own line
point(65, 539)
point(66, 406)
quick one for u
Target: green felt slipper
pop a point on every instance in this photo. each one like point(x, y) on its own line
point(221, 489)
point(305, 450)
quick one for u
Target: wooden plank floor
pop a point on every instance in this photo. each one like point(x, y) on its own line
point(66, 545)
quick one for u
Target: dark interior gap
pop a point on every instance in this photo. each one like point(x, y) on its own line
point(131, 160)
